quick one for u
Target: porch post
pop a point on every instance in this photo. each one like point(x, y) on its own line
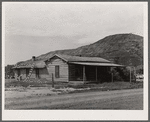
point(111, 69)
point(96, 73)
point(111, 77)
point(83, 73)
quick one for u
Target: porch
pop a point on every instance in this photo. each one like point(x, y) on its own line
point(90, 72)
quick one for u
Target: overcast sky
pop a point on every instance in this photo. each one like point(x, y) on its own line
point(32, 29)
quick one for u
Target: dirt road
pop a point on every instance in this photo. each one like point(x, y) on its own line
point(118, 99)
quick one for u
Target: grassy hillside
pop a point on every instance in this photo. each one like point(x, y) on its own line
point(126, 49)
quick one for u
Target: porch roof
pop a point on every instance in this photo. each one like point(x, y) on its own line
point(97, 64)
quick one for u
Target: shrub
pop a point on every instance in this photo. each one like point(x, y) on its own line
point(122, 74)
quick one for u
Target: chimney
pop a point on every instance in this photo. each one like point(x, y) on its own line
point(33, 58)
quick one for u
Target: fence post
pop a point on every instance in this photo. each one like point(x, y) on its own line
point(130, 74)
point(10, 78)
point(52, 81)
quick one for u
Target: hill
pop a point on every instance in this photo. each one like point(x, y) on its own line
point(126, 49)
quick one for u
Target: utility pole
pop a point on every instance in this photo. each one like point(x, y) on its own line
point(130, 74)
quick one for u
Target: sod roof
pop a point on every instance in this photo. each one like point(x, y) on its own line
point(28, 64)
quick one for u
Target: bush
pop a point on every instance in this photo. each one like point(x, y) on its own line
point(122, 74)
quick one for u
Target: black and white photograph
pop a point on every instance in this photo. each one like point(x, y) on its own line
point(75, 60)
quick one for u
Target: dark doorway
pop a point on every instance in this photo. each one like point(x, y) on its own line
point(90, 72)
point(18, 72)
point(37, 73)
point(27, 72)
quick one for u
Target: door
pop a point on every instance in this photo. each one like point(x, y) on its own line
point(27, 72)
point(57, 71)
point(37, 73)
point(18, 72)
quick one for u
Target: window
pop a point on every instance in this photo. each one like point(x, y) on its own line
point(57, 71)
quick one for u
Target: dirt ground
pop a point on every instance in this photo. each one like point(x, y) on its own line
point(20, 92)
point(22, 95)
point(15, 89)
point(131, 99)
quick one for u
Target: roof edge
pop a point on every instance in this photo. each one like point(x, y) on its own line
point(57, 56)
point(98, 64)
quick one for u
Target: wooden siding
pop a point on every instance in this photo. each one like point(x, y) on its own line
point(63, 69)
point(43, 73)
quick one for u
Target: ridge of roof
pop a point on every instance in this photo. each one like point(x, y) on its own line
point(69, 58)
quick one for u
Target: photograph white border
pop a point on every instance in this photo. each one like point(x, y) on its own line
point(80, 114)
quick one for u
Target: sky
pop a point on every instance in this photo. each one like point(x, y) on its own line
point(31, 29)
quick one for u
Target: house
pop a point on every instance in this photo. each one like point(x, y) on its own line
point(67, 68)
point(139, 77)
point(23, 69)
point(78, 68)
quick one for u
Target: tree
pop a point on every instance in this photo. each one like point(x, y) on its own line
point(121, 74)
point(9, 71)
point(116, 60)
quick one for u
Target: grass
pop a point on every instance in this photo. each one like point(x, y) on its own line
point(111, 85)
point(106, 86)
point(34, 83)
point(122, 103)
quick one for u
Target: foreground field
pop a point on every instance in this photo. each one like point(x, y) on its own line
point(131, 99)
point(19, 89)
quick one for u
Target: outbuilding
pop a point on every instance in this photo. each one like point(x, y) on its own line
point(22, 69)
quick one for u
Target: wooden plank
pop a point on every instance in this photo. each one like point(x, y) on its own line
point(63, 69)
point(96, 74)
point(83, 73)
